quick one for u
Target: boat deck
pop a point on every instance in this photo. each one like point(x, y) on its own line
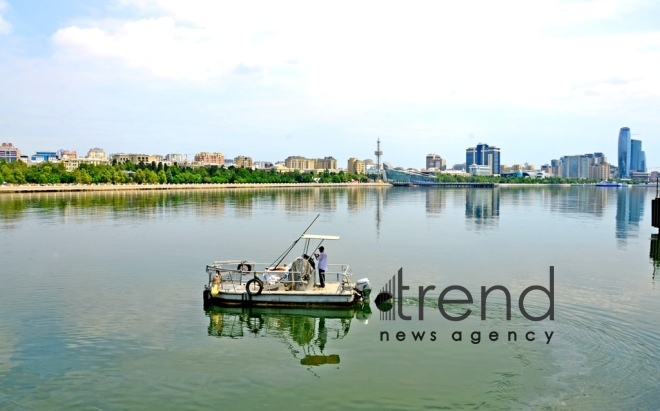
point(330, 288)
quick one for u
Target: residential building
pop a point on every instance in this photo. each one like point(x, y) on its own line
point(262, 165)
point(547, 169)
point(9, 153)
point(303, 163)
point(356, 166)
point(67, 154)
point(97, 153)
point(484, 155)
point(72, 163)
point(175, 158)
point(653, 176)
point(555, 167)
point(210, 158)
point(135, 158)
point(435, 161)
point(243, 161)
point(299, 163)
point(326, 163)
point(599, 171)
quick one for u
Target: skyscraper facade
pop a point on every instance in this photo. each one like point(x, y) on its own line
point(624, 152)
point(637, 156)
point(483, 155)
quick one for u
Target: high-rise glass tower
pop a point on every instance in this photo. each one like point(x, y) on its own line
point(637, 156)
point(624, 152)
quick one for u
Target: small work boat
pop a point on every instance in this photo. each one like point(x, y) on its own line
point(279, 284)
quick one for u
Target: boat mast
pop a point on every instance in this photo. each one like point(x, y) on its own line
point(288, 250)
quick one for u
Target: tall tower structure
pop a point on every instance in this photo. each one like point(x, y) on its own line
point(624, 152)
point(378, 154)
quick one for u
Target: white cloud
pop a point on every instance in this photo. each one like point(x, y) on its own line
point(421, 52)
point(5, 27)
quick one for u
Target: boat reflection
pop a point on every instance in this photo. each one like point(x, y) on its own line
point(654, 254)
point(310, 329)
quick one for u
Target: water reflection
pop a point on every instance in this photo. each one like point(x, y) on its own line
point(306, 332)
point(435, 201)
point(654, 254)
point(629, 212)
point(482, 208)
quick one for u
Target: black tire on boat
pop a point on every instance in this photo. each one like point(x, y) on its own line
point(259, 284)
point(206, 296)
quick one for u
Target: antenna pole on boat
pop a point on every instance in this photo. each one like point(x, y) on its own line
point(296, 242)
point(308, 227)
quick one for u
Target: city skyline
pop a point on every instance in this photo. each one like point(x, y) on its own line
point(540, 81)
point(471, 153)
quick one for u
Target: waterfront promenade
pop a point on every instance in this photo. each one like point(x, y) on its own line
point(33, 188)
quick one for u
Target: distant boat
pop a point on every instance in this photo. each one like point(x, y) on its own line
point(606, 183)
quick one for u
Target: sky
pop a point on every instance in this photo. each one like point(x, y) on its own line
point(272, 79)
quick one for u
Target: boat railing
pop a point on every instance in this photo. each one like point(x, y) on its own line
point(341, 273)
point(235, 272)
point(239, 272)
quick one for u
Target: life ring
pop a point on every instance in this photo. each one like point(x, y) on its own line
point(259, 284)
point(245, 265)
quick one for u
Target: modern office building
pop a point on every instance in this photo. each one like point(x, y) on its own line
point(477, 170)
point(9, 153)
point(42, 156)
point(624, 152)
point(484, 155)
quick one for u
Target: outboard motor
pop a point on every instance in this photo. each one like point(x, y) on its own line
point(363, 287)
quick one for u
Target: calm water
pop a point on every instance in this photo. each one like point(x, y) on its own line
point(101, 301)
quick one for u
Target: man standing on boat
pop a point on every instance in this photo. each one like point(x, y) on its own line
point(322, 259)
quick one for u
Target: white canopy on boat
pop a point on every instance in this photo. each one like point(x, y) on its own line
point(320, 237)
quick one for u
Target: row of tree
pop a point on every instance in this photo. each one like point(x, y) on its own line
point(17, 172)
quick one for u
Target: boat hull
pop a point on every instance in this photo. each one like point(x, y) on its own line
point(282, 299)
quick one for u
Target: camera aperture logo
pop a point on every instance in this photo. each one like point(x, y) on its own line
point(390, 303)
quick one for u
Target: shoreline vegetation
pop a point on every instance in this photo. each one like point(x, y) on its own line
point(18, 177)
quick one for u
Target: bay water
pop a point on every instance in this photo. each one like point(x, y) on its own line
point(101, 300)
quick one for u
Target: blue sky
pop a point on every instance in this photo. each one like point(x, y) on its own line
point(271, 79)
